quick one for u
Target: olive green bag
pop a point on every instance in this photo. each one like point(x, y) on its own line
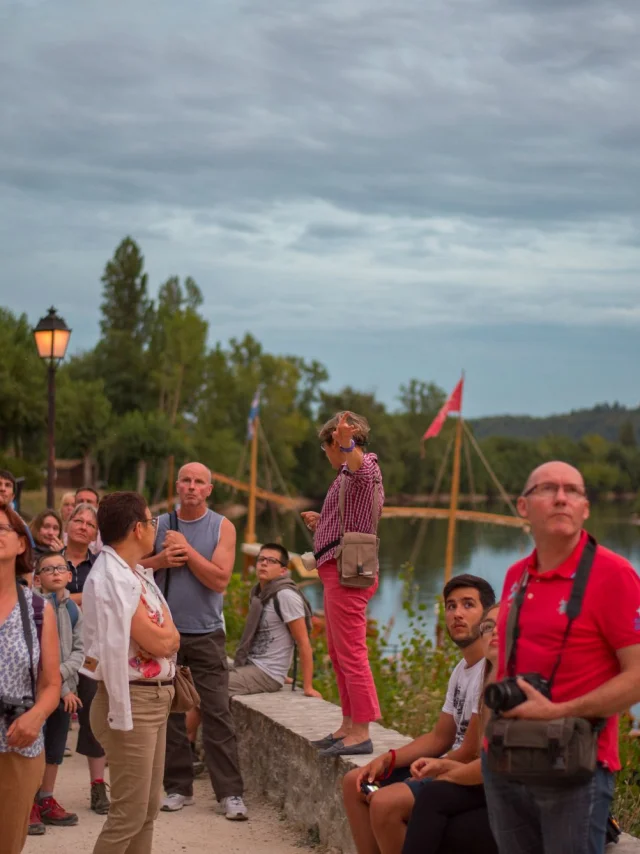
point(552, 753)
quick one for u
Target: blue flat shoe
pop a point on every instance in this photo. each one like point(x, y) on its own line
point(327, 741)
point(339, 749)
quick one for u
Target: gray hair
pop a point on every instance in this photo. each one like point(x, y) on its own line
point(360, 437)
point(84, 506)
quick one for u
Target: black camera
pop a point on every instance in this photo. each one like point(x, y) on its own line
point(11, 708)
point(506, 695)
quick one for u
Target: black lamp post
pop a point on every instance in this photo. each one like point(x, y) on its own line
point(52, 337)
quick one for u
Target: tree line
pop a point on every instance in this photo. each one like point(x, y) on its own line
point(153, 387)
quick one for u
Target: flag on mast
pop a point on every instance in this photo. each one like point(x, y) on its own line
point(453, 404)
point(253, 413)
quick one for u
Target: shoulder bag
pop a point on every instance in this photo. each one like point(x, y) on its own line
point(357, 553)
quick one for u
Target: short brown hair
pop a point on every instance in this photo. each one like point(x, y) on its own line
point(24, 561)
point(118, 512)
point(38, 521)
point(360, 437)
point(44, 556)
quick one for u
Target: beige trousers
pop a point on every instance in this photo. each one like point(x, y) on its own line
point(20, 779)
point(136, 766)
point(249, 679)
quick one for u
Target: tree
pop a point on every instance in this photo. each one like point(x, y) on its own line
point(82, 417)
point(627, 434)
point(125, 325)
point(23, 389)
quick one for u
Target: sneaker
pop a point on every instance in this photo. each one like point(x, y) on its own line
point(52, 813)
point(36, 827)
point(100, 802)
point(234, 808)
point(175, 802)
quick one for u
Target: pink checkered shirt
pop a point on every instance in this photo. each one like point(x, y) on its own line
point(358, 507)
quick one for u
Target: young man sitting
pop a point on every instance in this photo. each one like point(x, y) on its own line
point(278, 619)
point(379, 821)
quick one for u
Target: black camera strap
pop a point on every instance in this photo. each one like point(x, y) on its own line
point(574, 606)
point(28, 637)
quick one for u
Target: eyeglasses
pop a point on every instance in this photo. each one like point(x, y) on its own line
point(487, 627)
point(153, 522)
point(573, 491)
point(58, 569)
point(271, 561)
point(6, 529)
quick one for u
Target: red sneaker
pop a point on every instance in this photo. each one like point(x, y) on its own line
point(52, 813)
point(36, 827)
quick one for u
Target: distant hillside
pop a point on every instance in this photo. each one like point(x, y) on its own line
point(604, 419)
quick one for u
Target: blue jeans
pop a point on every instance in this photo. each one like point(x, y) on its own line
point(548, 820)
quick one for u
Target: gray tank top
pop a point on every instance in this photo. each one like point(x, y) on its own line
point(195, 608)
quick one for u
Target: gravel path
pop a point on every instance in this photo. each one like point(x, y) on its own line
point(198, 828)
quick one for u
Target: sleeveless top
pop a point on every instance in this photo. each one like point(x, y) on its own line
point(195, 608)
point(15, 681)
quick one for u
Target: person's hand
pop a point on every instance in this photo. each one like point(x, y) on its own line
point(310, 519)
point(25, 729)
point(56, 544)
point(374, 770)
point(536, 707)
point(175, 538)
point(429, 767)
point(173, 556)
point(71, 702)
point(344, 432)
point(311, 692)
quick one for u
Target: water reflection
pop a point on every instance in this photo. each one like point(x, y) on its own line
point(484, 550)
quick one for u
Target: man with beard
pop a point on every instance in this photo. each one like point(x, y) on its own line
point(379, 821)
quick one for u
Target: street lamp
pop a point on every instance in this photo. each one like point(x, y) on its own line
point(51, 337)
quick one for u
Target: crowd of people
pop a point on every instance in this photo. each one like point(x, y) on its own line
point(103, 608)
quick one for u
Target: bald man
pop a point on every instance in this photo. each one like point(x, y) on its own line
point(193, 561)
point(598, 675)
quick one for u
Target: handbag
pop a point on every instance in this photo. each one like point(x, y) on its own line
point(357, 553)
point(186, 696)
point(552, 753)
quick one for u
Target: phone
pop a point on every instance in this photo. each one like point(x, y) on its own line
point(368, 788)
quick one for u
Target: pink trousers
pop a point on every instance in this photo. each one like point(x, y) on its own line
point(345, 610)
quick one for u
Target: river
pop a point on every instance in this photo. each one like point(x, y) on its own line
point(484, 550)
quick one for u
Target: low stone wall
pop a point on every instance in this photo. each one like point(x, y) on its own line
point(279, 763)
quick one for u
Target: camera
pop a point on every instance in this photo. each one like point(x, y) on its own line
point(506, 695)
point(308, 561)
point(368, 788)
point(11, 708)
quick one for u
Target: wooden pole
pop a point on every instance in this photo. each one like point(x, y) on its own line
point(453, 507)
point(170, 478)
point(250, 533)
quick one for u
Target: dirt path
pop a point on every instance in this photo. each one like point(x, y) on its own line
point(198, 828)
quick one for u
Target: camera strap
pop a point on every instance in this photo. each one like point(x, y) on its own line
point(574, 606)
point(28, 637)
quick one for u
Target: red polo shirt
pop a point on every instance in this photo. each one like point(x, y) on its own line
point(609, 620)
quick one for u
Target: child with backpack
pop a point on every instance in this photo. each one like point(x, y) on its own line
point(52, 576)
point(278, 621)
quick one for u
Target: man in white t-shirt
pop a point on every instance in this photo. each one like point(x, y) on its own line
point(277, 621)
point(379, 821)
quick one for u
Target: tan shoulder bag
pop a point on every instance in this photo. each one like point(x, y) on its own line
point(357, 553)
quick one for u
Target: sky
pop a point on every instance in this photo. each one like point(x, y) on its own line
point(398, 188)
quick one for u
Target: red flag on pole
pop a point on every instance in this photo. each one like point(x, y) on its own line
point(453, 404)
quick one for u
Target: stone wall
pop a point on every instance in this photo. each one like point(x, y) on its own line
point(279, 763)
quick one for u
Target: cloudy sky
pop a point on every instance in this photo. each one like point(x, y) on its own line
point(399, 188)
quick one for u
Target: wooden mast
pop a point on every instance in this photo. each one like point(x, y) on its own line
point(250, 533)
point(170, 477)
point(453, 506)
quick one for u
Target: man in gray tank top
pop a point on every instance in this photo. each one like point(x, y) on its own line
point(193, 560)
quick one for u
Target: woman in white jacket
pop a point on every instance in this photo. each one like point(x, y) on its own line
point(130, 645)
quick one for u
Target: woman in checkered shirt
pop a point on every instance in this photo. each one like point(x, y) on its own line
point(343, 439)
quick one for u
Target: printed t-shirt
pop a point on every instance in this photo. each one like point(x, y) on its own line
point(272, 646)
point(463, 696)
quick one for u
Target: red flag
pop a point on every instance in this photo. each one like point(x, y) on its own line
point(453, 404)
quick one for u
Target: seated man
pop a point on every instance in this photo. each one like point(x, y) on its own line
point(279, 618)
point(379, 821)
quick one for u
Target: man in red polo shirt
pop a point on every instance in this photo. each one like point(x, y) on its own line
point(599, 673)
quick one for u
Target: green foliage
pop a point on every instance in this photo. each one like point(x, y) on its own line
point(33, 474)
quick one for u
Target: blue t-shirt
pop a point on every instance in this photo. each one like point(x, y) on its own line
point(195, 608)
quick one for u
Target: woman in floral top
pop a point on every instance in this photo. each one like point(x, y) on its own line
point(32, 685)
point(130, 647)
